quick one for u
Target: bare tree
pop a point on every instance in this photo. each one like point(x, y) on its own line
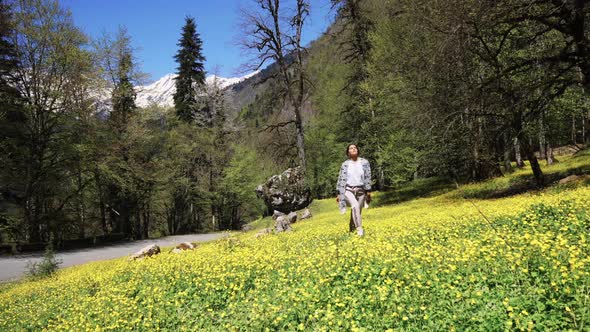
point(275, 36)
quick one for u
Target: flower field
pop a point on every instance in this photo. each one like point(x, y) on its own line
point(440, 263)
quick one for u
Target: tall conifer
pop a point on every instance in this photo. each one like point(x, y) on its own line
point(191, 75)
point(11, 119)
point(7, 53)
point(123, 204)
point(123, 94)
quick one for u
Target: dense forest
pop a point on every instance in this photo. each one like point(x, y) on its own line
point(457, 89)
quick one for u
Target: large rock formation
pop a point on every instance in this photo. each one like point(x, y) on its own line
point(286, 192)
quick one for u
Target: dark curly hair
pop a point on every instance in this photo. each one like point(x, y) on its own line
point(357, 148)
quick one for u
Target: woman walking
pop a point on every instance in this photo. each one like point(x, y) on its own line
point(354, 187)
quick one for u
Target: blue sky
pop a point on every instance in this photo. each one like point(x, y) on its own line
point(155, 27)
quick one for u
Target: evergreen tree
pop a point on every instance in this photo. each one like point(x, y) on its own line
point(118, 72)
point(8, 62)
point(123, 108)
point(7, 53)
point(191, 76)
point(123, 94)
point(11, 122)
point(358, 123)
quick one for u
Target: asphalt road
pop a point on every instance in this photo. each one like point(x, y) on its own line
point(14, 267)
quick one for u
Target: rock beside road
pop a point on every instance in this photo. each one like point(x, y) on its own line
point(15, 267)
point(183, 247)
point(148, 251)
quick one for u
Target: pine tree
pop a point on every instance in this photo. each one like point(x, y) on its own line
point(7, 54)
point(11, 120)
point(191, 76)
point(123, 94)
point(119, 192)
point(123, 108)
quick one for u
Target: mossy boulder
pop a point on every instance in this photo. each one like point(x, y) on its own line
point(286, 192)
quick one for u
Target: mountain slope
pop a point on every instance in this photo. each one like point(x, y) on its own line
point(161, 92)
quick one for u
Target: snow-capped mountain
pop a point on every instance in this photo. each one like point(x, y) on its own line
point(161, 92)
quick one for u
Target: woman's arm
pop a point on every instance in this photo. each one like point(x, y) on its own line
point(367, 184)
point(367, 175)
point(341, 182)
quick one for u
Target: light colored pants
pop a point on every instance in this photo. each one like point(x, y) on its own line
point(356, 202)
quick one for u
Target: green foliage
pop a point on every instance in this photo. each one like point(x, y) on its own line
point(191, 76)
point(12, 127)
point(40, 156)
point(326, 133)
point(444, 88)
point(324, 159)
point(7, 56)
point(123, 96)
point(241, 176)
point(187, 172)
point(44, 268)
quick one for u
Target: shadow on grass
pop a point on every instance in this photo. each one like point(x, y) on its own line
point(523, 183)
point(415, 189)
point(494, 188)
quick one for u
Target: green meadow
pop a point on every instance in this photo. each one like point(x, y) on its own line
point(492, 256)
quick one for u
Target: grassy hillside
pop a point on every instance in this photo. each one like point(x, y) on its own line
point(451, 261)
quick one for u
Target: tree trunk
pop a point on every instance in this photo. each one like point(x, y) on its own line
point(35, 230)
point(534, 162)
point(32, 201)
point(519, 162)
point(542, 142)
point(300, 140)
point(550, 158)
point(103, 217)
point(574, 141)
point(578, 30)
point(113, 219)
point(146, 222)
point(170, 220)
point(81, 205)
point(537, 173)
point(136, 224)
point(273, 43)
point(584, 137)
point(474, 148)
point(101, 203)
point(507, 150)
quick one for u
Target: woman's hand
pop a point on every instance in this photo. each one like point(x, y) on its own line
point(338, 198)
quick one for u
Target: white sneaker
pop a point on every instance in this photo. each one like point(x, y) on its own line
point(360, 231)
